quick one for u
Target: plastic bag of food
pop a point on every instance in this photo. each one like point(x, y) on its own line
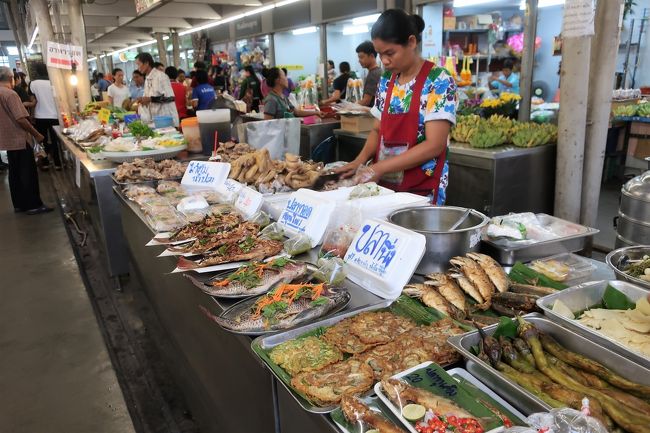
point(297, 244)
point(273, 231)
point(164, 218)
point(135, 190)
point(563, 420)
point(331, 271)
point(260, 218)
point(369, 189)
point(340, 231)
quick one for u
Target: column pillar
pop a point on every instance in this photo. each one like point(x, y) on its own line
point(176, 49)
point(162, 49)
point(323, 59)
point(78, 37)
point(528, 60)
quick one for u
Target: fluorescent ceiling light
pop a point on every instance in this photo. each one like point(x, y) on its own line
point(92, 59)
point(31, 41)
point(12, 51)
point(305, 30)
point(164, 38)
point(368, 19)
point(465, 3)
point(353, 30)
point(542, 3)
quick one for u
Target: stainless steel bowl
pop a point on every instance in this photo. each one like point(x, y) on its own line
point(613, 260)
point(434, 223)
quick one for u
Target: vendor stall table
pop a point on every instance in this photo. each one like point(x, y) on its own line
point(95, 183)
point(494, 181)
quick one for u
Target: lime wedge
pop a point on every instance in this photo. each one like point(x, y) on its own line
point(413, 412)
point(560, 308)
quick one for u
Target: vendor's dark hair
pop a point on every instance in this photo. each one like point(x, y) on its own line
point(251, 71)
point(344, 67)
point(115, 71)
point(180, 71)
point(158, 65)
point(171, 72)
point(508, 63)
point(331, 62)
point(41, 71)
point(272, 75)
point(199, 65)
point(201, 76)
point(396, 26)
point(368, 48)
point(145, 58)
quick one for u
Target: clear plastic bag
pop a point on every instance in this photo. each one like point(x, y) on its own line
point(297, 244)
point(340, 232)
point(273, 231)
point(364, 190)
point(260, 218)
point(563, 420)
point(331, 271)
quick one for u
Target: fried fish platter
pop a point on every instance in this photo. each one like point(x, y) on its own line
point(379, 327)
point(305, 354)
point(341, 336)
point(328, 385)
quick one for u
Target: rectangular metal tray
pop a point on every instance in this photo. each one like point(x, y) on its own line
point(583, 296)
point(522, 399)
point(263, 343)
point(512, 253)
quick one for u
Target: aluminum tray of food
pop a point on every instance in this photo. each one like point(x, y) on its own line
point(345, 354)
point(597, 362)
point(568, 238)
point(589, 310)
point(631, 264)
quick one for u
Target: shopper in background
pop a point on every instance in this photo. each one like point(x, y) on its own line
point(118, 92)
point(159, 66)
point(291, 86)
point(46, 114)
point(276, 104)
point(22, 88)
point(200, 66)
point(251, 89)
point(368, 59)
point(137, 85)
point(507, 81)
point(180, 94)
point(203, 94)
point(340, 84)
point(415, 108)
point(102, 83)
point(158, 99)
point(17, 132)
point(331, 72)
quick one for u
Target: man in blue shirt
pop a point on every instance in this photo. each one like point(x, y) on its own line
point(102, 83)
point(137, 85)
point(507, 81)
point(203, 94)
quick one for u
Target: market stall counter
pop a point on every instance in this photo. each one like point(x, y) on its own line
point(226, 386)
point(494, 181)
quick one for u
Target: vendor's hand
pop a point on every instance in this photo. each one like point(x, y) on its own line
point(365, 174)
point(348, 170)
point(39, 138)
point(144, 101)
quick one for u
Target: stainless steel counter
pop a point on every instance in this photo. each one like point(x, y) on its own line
point(312, 135)
point(494, 181)
point(93, 178)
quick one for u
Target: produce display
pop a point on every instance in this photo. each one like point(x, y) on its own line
point(632, 110)
point(148, 169)
point(562, 378)
point(287, 305)
point(476, 282)
point(498, 130)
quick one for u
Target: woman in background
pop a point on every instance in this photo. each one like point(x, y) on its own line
point(118, 92)
point(251, 88)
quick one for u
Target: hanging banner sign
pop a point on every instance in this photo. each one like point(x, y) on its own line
point(143, 5)
point(578, 19)
point(63, 55)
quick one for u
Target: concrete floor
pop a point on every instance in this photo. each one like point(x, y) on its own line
point(55, 372)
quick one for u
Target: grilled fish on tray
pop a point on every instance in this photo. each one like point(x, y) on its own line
point(211, 224)
point(253, 279)
point(215, 238)
point(250, 248)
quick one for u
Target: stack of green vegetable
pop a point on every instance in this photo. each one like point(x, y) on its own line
point(498, 130)
point(563, 378)
point(140, 130)
point(625, 110)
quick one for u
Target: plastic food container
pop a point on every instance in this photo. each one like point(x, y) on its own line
point(131, 118)
point(564, 267)
point(192, 134)
point(163, 121)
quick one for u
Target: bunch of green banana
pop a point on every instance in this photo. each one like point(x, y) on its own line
point(643, 110)
point(533, 135)
point(488, 136)
point(465, 127)
point(500, 121)
point(625, 110)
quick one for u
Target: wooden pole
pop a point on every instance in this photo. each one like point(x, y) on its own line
point(162, 49)
point(78, 37)
point(574, 88)
point(46, 33)
point(176, 49)
point(601, 83)
point(323, 59)
point(528, 60)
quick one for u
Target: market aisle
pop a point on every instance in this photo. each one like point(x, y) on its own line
point(55, 372)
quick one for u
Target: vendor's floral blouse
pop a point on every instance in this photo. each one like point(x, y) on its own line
point(437, 102)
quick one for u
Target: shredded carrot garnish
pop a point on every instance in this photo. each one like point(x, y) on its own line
point(288, 292)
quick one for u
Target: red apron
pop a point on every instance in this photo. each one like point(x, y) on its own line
point(400, 131)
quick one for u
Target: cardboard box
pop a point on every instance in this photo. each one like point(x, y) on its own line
point(642, 150)
point(449, 23)
point(640, 128)
point(357, 123)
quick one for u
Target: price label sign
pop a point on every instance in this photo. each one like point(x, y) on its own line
point(382, 257)
point(229, 189)
point(249, 202)
point(205, 174)
point(307, 214)
point(104, 115)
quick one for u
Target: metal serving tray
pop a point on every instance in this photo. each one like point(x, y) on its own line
point(583, 296)
point(264, 343)
point(509, 253)
point(522, 399)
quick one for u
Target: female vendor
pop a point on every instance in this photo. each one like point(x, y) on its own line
point(415, 107)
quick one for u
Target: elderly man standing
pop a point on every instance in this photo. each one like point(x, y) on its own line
point(158, 97)
point(16, 130)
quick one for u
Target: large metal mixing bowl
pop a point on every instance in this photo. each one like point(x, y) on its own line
point(616, 259)
point(434, 223)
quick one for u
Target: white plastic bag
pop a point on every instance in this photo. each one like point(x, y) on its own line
point(278, 136)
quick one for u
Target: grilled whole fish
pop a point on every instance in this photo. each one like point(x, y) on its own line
point(261, 282)
point(299, 311)
point(215, 239)
point(476, 276)
point(257, 249)
point(357, 412)
point(220, 222)
point(448, 288)
point(470, 289)
point(400, 393)
point(493, 269)
point(430, 297)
